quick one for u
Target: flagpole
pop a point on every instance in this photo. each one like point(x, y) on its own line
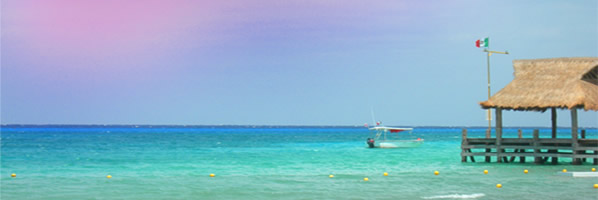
point(489, 115)
point(489, 94)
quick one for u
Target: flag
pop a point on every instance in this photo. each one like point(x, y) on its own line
point(481, 43)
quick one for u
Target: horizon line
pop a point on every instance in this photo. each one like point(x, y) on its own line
point(269, 126)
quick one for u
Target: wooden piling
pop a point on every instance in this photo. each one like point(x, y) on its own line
point(513, 157)
point(499, 149)
point(463, 143)
point(555, 160)
point(521, 158)
point(488, 135)
point(583, 136)
point(574, 135)
point(537, 157)
point(553, 119)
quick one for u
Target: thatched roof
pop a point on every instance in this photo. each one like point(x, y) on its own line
point(540, 84)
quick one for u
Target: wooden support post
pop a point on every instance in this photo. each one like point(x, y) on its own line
point(499, 150)
point(464, 132)
point(463, 144)
point(553, 111)
point(521, 158)
point(574, 135)
point(513, 157)
point(488, 135)
point(596, 159)
point(583, 136)
point(574, 123)
point(537, 156)
point(555, 160)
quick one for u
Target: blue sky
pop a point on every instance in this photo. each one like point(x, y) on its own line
point(277, 62)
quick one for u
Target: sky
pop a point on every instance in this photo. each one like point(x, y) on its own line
point(270, 62)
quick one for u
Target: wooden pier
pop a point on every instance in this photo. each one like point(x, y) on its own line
point(540, 149)
point(541, 85)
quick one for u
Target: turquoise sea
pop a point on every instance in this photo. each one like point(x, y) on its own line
point(174, 162)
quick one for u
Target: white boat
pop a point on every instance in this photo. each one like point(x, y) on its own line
point(388, 137)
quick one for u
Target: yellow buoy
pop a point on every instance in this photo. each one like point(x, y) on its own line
point(212, 175)
point(109, 176)
point(593, 169)
point(436, 173)
point(564, 170)
point(498, 185)
point(485, 171)
point(385, 173)
point(525, 171)
point(331, 176)
point(13, 175)
point(596, 186)
point(366, 179)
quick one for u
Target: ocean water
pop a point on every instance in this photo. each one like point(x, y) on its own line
point(72, 162)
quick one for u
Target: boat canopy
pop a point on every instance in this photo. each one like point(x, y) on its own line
point(391, 129)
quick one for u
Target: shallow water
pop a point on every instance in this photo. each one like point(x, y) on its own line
point(72, 162)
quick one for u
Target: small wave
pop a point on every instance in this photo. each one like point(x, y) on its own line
point(456, 196)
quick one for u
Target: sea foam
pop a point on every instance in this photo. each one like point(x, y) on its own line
point(456, 196)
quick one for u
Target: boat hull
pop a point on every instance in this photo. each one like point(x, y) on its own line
point(398, 143)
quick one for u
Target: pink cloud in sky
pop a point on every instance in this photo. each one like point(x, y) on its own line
point(72, 27)
point(71, 42)
point(124, 37)
point(108, 27)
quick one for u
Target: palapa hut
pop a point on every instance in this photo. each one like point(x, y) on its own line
point(550, 83)
point(541, 84)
